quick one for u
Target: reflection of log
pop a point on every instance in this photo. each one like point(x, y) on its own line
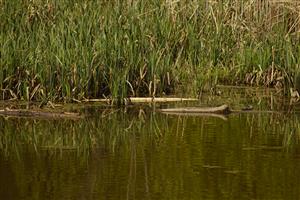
point(224, 109)
point(221, 116)
point(39, 114)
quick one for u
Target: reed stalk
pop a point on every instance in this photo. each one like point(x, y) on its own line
point(64, 50)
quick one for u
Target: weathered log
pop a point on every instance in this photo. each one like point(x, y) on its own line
point(39, 114)
point(146, 100)
point(223, 109)
point(213, 111)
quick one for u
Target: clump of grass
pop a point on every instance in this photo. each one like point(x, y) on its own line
point(65, 50)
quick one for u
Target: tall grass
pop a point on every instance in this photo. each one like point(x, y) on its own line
point(70, 49)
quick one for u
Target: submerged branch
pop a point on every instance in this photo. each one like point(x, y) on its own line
point(39, 114)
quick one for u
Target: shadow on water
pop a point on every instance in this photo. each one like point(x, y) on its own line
point(136, 153)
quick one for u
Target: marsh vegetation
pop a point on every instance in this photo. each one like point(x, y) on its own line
point(71, 50)
point(81, 50)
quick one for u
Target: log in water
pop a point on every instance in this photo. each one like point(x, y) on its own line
point(146, 100)
point(38, 114)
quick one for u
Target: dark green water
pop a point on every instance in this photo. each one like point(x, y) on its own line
point(141, 154)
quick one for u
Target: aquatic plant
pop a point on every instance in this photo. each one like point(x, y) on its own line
point(71, 50)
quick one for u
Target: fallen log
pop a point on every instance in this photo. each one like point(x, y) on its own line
point(212, 111)
point(145, 100)
point(39, 114)
point(223, 109)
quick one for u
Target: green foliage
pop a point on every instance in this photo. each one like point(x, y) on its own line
point(64, 50)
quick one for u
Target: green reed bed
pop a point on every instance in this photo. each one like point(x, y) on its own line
point(70, 49)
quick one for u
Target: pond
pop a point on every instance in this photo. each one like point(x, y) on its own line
point(139, 153)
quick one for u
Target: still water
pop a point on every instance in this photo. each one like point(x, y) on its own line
point(137, 153)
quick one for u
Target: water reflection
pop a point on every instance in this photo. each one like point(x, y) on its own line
point(140, 154)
